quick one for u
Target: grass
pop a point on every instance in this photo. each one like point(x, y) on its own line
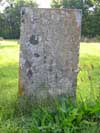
point(89, 76)
point(84, 117)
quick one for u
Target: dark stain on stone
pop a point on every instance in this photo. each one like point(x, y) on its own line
point(35, 69)
point(45, 57)
point(50, 69)
point(32, 82)
point(51, 62)
point(44, 61)
point(23, 20)
point(28, 64)
point(34, 39)
point(36, 55)
point(35, 20)
point(23, 12)
point(56, 77)
point(29, 73)
point(72, 69)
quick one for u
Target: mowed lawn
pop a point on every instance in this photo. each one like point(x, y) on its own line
point(88, 77)
point(9, 58)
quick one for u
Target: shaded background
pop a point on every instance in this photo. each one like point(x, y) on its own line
point(10, 16)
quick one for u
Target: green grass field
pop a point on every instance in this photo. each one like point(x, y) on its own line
point(89, 76)
point(88, 83)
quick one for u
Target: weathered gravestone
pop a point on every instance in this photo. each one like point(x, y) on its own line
point(49, 52)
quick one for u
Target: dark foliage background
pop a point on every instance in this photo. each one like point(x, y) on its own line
point(10, 18)
point(90, 14)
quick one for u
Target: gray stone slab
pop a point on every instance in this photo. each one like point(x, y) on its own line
point(49, 52)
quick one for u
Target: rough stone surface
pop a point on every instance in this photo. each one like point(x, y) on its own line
point(49, 52)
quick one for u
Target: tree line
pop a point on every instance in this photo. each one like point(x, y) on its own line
point(90, 14)
point(10, 18)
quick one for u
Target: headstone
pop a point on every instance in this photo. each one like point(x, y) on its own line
point(49, 52)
